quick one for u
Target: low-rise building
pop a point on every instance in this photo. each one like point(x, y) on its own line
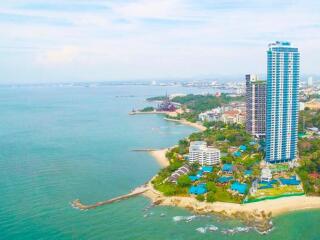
point(233, 116)
point(227, 168)
point(209, 116)
point(200, 153)
point(179, 172)
point(266, 175)
point(212, 115)
point(240, 188)
point(231, 113)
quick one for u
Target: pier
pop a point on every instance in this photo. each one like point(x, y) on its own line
point(151, 112)
point(144, 150)
point(137, 191)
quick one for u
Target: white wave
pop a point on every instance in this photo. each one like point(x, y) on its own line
point(210, 228)
point(236, 230)
point(202, 230)
point(184, 218)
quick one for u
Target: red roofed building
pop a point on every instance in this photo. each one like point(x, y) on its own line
point(314, 175)
point(233, 116)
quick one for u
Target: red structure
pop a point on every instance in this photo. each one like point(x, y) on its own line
point(167, 105)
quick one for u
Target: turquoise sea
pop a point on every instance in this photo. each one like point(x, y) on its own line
point(62, 143)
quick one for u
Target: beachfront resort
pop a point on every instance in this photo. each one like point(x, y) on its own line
point(248, 151)
point(238, 176)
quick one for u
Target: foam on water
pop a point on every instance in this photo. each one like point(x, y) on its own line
point(210, 228)
point(184, 218)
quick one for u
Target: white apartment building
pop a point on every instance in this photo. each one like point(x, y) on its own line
point(211, 116)
point(200, 153)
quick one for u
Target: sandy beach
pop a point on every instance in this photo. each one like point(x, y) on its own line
point(172, 114)
point(276, 206)
point(160, 156)
point(185, 122)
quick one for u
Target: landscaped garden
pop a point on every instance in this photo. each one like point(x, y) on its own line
point(244, 154)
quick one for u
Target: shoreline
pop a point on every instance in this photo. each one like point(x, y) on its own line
point(198, 126)
point(258, 214)
point(185, 122)
point(173, 114)
point(274, 207)
point(160, 156)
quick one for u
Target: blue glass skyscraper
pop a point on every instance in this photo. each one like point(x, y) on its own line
point(282, 103)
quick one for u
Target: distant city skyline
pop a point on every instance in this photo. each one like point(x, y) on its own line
point(81, 40)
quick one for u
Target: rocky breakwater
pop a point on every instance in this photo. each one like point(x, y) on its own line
point(258, 219)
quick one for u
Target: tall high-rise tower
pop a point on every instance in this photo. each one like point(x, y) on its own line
point(282, 102)
point(255, 106)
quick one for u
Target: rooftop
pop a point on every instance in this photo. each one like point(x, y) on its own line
point(291, 181)
point(243, 148)
point(207, 169)
point(224, 179)
point(198, 190)
point(198, 143)
point(227, 167)
point(212, 149)
point(280, 44)
point(239, 187)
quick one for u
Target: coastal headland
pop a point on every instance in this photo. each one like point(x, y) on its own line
point(275, 207)
point(257, 214)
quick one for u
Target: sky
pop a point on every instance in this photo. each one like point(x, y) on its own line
point(100, 40)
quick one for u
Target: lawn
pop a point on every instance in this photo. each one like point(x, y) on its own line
point(221, 195)
point(280, 190)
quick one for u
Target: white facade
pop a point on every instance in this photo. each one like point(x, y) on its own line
point(197, 151)
point(200, 153)
point(211, 116)
point(282, 102)
point(212, 156)
point(266, 175)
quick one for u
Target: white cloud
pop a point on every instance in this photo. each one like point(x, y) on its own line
point(149, 38)
point(163, 9)
point(62, 56)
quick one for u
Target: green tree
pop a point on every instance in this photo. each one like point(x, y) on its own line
point(174, 165)
point(256, 171)
point(211, 187)
point(148, 109)
point(168, 189)
point(184, 181)
point(212, 176)
point(200, 198)
point(210, 197)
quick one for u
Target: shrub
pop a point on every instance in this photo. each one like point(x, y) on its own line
point(210, 197)
point(200, 198)
point(184, 181)
point(211, 187)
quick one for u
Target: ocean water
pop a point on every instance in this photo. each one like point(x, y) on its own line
point(58, 144)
